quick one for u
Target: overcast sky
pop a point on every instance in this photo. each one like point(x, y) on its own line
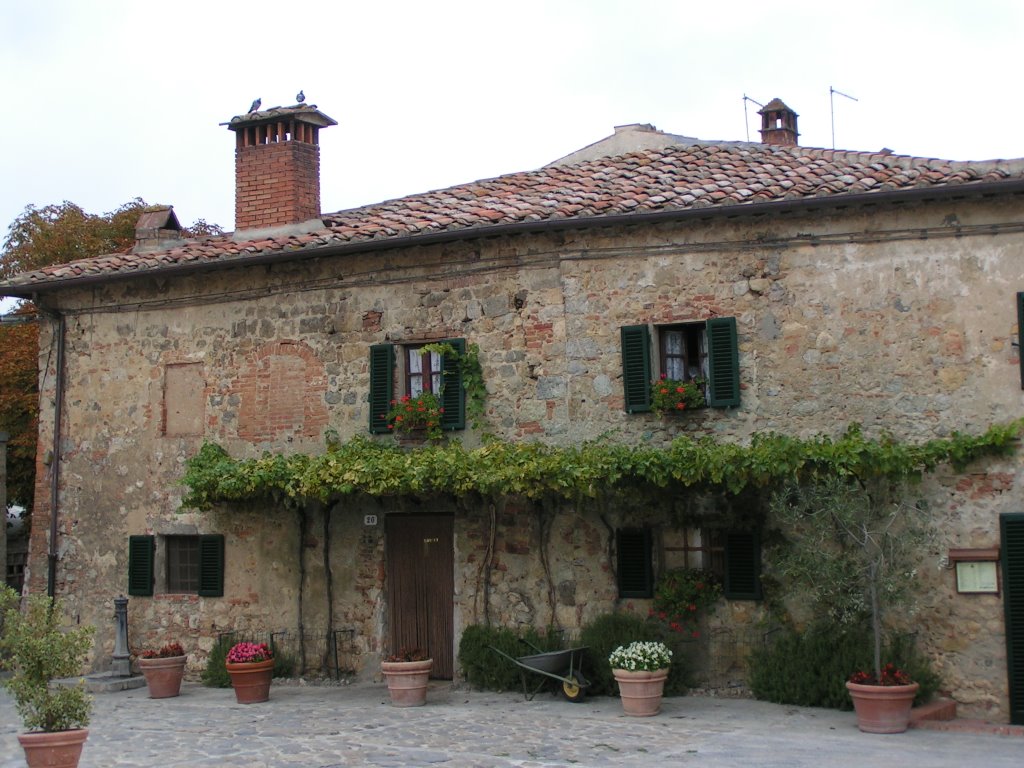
point(107, 100)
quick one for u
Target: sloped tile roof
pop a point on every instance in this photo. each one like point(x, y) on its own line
point(672, 179)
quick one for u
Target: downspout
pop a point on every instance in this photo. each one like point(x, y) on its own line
point(58, 409)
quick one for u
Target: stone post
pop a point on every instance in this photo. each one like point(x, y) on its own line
point(121, 666)
point(3, 505)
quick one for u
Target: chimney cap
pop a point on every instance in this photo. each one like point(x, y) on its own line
point(305, 113)
point(776, 105)
point(158, 217)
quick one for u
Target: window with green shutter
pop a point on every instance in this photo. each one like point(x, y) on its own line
point(420, 371)
point(141, 555)
point(742, 565)
point(634, 566)
point(706, 352)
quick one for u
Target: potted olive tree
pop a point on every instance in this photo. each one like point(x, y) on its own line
point(37, 651)
point(855, 545)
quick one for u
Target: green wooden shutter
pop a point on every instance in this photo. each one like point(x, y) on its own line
point(742, 566)
point(453, 394)
point(211, 565)
point(723, 362)
point(633, 550)
point(141, 551)
point(1020, 335)
point(636, 367)
point(382, 383)
point(1012, 534)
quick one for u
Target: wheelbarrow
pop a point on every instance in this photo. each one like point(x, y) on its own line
point(562, 666)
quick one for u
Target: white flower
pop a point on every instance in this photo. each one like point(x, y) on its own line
point(641, 656)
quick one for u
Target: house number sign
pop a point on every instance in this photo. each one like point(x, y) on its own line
point(369, 519)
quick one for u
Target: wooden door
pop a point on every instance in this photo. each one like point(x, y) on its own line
point(1012, 526)
point(420, 584)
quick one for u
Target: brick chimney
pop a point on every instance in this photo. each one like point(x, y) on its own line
point(277, 166)
point(778, 124)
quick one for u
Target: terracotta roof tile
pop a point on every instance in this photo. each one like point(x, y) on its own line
point(676, 178)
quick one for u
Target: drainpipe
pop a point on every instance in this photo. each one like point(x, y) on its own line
point(58, 409)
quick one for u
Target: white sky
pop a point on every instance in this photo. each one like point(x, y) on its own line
point(107, 100)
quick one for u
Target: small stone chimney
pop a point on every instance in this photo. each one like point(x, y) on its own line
point(156, 228)
point(778, 124)
point(277, 166)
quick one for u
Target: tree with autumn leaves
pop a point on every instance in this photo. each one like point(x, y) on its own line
point(40, 237)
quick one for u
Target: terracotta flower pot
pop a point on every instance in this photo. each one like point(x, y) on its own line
point(163, 676)
point(53, 749)
point(641, 692)
point(407, 681)
point(882, 708)
point(251, 680)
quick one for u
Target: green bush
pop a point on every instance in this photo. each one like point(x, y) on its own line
point(38, 649)
point(610, 630)
point(811, 669)
point(215, 675)
point(486, 669)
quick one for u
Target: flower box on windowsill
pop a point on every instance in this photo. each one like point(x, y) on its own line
point(673, 397)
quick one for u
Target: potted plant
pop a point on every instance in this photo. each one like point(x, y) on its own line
point(418, 416)
point(674, 395)
point(640, 669)
point(407, 673)
point(251, 668)
point(163, 669)
point(855, 545)
point(37, 651)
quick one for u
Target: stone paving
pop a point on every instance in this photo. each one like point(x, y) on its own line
point(353, 725)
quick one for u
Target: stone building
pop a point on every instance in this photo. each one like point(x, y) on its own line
point(810, 288)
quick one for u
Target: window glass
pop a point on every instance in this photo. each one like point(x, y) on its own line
point(423, 372)
point(182, 563)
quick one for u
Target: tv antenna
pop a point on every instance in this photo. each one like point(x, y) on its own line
point(746, 122)
point(832, 109)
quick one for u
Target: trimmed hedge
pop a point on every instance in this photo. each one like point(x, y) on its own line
point(486, 669)
point(810, 669)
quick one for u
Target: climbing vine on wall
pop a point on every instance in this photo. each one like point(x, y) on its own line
point(538, 471)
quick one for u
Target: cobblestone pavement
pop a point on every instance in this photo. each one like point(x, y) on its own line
point(353, 725)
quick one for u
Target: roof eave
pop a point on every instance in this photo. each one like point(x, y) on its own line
point(858, 200)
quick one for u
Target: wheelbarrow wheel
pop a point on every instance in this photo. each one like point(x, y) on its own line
point(573, 687)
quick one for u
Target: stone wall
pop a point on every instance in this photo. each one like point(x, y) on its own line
point(895, 319)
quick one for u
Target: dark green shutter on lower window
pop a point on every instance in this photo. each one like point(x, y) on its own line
point(633, 547)
point(453, 394)
point(141, 551)
point(723, 362)
point(742, 566)
point(1020, 334)
point(382, 377)
point(1012, 555)
point(636, 367)
point(211, 565)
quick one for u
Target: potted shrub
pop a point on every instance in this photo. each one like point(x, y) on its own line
point(407, 673)
point(163, 669)
point(416, 417)
point(251, 667)
point(640, 669)
point(856, 547)
point(37, 651)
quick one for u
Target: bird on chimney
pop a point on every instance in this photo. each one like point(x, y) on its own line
point(300, 97)
point(255, 105)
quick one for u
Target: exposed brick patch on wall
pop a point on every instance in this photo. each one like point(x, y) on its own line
point(282, 387)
